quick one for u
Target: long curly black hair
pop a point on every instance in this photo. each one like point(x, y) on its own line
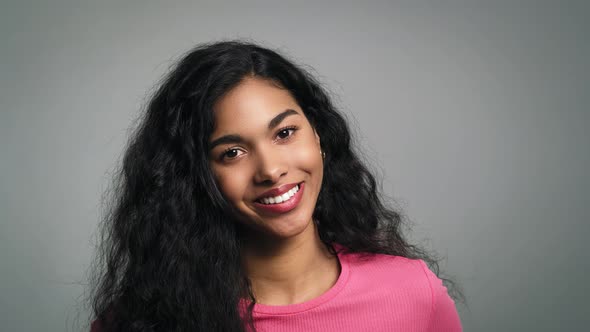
point(169, 256)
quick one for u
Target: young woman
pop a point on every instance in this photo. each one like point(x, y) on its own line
point(242, 206)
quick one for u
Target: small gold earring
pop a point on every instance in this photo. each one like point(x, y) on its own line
point(323, 154)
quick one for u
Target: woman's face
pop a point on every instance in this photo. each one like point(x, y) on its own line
point(266, 158)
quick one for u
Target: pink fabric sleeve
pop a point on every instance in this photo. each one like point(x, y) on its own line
point(96, 326)
point(444, 316)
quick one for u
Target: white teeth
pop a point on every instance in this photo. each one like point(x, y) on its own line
point(281, 198)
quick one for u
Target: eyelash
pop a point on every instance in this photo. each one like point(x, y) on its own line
point(293, 128)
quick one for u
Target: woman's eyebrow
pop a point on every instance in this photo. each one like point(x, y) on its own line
point(232, 139)
point(279, 118)
point(227, 139)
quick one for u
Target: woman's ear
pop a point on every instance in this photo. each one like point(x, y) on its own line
point(317, 137)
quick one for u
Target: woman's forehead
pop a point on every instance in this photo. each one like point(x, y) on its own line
point(254, 103)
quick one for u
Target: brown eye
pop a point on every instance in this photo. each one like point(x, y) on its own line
point(231, 153)
point(286, 133)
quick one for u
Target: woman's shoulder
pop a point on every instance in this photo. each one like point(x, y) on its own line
point(393, 274)
point(97, 326)
point(388, 265)
point(396, 272)
point(390, 278)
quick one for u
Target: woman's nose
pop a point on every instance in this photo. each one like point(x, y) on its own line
point(271, 166)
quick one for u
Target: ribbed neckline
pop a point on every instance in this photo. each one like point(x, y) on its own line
point(310, 304)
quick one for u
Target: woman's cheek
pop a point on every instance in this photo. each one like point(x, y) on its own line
point(229, 185)
point(308, 156)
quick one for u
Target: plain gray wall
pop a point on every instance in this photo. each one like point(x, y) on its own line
point(477, 113)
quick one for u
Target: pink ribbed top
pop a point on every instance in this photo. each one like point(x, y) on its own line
point(373, 293)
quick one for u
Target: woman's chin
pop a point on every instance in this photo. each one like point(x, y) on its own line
point(279, 231)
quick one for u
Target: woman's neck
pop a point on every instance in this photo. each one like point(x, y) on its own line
point(290, 270)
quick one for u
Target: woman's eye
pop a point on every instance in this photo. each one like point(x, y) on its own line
point(231, 154)
point(285, 133)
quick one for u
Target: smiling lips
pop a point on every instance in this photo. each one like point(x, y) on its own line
point(282, 199)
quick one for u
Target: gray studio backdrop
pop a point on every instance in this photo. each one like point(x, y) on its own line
point(476, 114)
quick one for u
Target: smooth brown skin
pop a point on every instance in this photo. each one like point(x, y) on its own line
point(282, 254)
